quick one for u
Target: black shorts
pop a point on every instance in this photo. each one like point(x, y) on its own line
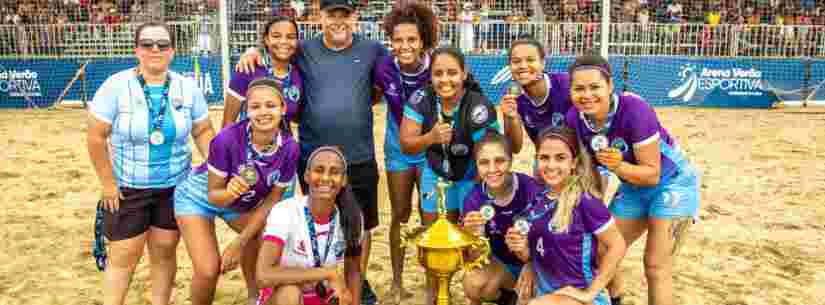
point(140, 209)
point(363, 178)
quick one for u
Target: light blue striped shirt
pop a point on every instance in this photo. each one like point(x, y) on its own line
point(136, 163)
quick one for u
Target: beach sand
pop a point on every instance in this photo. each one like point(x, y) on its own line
point(760, 240)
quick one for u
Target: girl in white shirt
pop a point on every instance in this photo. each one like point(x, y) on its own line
point(306, 237)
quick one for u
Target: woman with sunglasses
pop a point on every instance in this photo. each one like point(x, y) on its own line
point(139, 123)
point(412, 30)
point(279, 39)
point(250, 167)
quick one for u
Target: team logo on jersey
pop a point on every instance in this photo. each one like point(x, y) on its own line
point(551, 226)
point(557, 119)
point(620, 144)
point(273, 177)
point(417, 97)
point(293, 93)
point(479, 114)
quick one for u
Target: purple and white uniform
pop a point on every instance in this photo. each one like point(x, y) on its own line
point(567, 258)
point(524, 190)
point(539, 115)
point(398, 86)
point(632, 123)
point(292, 88)
point(227, 154)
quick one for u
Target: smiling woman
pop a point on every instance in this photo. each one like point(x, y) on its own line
point(251, 166)
point(139, 122)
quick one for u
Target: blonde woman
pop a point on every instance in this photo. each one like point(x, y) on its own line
point(567, 225)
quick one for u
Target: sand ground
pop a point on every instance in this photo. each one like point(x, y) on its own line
point(761, 239)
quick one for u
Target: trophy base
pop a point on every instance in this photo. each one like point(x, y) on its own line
point(443, 288)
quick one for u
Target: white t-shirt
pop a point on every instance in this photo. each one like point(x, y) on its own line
point(287, 226)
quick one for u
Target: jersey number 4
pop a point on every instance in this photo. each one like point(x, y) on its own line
point(540, 247)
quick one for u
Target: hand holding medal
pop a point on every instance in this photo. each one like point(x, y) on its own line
point(239, 184)
point(508, 102)
point(516, 239)
point(475, 221)
point(610, 157)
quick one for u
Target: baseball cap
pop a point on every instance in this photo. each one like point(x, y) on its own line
point(332, 4)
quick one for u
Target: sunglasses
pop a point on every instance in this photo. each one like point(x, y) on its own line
point(149, 44)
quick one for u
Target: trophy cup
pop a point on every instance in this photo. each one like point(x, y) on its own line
point(442, 247)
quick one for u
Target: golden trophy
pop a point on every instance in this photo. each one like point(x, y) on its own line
point(442, 247)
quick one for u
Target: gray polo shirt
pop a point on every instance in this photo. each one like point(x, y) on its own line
point(338, 86)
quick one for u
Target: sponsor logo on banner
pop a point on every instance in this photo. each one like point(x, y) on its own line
point(203, 80)
point(731, 82)
point(20, 83)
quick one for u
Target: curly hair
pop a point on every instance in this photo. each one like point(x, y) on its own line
point(412, 12)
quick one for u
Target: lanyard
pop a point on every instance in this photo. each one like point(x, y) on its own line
point(445, 164)
point(314, 240)
point(157, 118)
point(285, 82)
point(252, 155)
point(590, 123)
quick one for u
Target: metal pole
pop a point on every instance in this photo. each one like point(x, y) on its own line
point(223, 23)
point(605, 38)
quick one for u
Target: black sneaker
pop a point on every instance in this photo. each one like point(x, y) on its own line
point(368, 296)
point(507, 297)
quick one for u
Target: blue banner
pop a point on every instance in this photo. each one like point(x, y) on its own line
point(662, 81)
point(41, 81)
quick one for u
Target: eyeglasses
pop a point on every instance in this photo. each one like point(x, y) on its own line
point(149, 44)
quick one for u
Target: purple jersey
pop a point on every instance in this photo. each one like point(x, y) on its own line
point(633, 123)
point(292, 87)
point(525, 190)
point(571, 258)
point(227, 153)
point(399, 86)
point(551, 111)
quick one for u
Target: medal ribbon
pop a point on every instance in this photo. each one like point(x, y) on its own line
point(317, 260)
point(591, 123)
point(252, 155)
point(441, 117)
point(286, 82)
point(157, 118)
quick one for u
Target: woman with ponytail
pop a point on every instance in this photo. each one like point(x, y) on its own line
point(308, 237)
point(568, 227)
point(659, 194)
point(445, 120)
point(251, 167)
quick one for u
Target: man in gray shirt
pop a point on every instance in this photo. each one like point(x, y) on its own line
point(336, 68)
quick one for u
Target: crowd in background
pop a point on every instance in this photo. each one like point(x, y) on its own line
point(779, 12)
point(30, 27)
